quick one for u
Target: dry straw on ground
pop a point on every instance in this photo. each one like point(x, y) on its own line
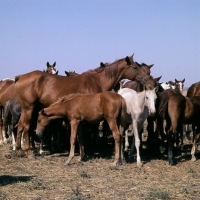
point(94, 178)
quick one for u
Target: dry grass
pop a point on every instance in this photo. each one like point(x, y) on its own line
point(47, 178)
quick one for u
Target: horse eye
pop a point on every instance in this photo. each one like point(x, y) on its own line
point(147, 97)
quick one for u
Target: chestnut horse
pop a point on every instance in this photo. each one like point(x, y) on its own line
point(179, 110)
point(92, 108)
point(51, 68)
point(36, 90)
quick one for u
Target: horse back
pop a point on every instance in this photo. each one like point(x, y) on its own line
point(7, 92)
point(47, 88)
point(194, 90)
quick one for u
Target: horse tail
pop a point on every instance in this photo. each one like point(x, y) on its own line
point(123, 116)
point(163, 108)
point(7, 114)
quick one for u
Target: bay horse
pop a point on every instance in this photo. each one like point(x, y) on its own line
point(36, 90)
point(51, 68)
point(139, 106)
point(7, 92)
point(179, 110)
point(92, 108)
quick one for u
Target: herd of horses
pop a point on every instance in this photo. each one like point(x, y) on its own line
point(37, 100)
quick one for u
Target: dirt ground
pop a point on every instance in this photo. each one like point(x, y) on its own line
point(47, 178)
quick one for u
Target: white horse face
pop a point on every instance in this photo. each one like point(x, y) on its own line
point(150, 100)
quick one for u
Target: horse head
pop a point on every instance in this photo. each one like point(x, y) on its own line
point(179, 84)
point(150, 100)
point(51, 68)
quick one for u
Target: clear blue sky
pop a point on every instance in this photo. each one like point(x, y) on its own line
point(79, 34)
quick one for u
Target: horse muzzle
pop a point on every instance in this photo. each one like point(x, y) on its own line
point(39, 133)
point(152, 113)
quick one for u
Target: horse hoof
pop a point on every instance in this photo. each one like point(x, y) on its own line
point(1, 142)
point(66, 164)
point(193, 159)
point(31, 157)
point(171, 163)
point(139, 165)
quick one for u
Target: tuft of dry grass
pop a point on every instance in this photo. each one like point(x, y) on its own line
point(95, 178)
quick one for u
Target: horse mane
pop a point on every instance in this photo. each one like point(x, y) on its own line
point(109, 68)
point(142, 64)
point(66, 98)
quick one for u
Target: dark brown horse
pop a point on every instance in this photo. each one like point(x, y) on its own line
point(7, 92)
point(179, 110)
point(92, 108)
point(37, 89)
point(51, 68)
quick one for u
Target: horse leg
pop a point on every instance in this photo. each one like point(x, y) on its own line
point(19, 135)
point(171, 134)
point(137, 143)
point(185, 132)
point(194, 146)
point(117, 137)
point(24, 125)
point(126, 139)
point(80, 141)
point(74, 128)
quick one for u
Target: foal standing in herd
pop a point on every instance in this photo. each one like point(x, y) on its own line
point(139, 106)
point(86, 107)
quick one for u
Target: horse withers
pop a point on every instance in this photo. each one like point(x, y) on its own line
point(139, 106)
point(92, 108)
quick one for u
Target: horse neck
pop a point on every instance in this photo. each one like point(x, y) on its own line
point(141, 100)
point(54, 111)
point(108, 82)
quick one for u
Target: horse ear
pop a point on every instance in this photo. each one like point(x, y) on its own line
point(132, 57)
point(47, 64)
point(150, 66)
point(41, 111)
point(127, 59)
point(157, 79)
point(102, 64)
point(57, 73)
point(183, 80)
point(54, 64)
point(156, 89)
point(176, 80)
point(67, 73)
